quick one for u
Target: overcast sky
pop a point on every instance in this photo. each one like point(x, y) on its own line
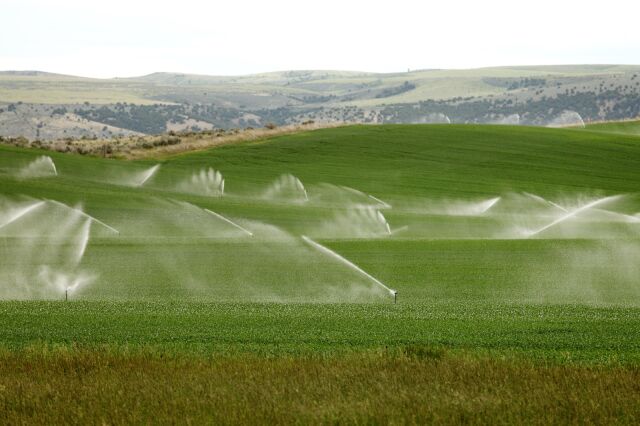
point(128, 38)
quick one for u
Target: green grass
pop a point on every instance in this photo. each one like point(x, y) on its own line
point(177, 282)
point(556, 333)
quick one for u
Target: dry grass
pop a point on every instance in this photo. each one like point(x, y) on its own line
point(203, 140)
point(140, 147)
point(75, 386)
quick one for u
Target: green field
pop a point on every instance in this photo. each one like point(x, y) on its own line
point(513, 250)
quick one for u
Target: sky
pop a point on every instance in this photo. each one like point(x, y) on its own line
point(124, 38)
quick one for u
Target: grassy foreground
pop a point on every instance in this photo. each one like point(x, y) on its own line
point(417, 385)
point(563, 334)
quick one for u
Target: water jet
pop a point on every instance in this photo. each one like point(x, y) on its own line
point(22, 212)
point(574, 212)
point(148, 174)
point(350, 264)
point(78, 211)
point(229, 221)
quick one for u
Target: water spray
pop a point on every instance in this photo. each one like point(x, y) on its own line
point(362, 194)
point(350, 264)
point(98, 221)
point(40, 167)
point(545, 201)
point(148, 174)
point(302, 188)
point(625, 217)
point(401, 229)
point(574, 212)
point(486, 206)
point(53, 166)
point(385, 205)
point(229, 221)
point(22, 213)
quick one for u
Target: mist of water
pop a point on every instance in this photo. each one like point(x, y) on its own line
point(572, 213)
point(142, 178)
point(510, 120)
point(360, 222)
point(545, 201)
point(346, 262)
point(448, 207)
point(286, 188)
point(42, 251)
point(16, 212)
point(597, 272)
point(207, 182)
point(43, 166)
point(230, 222)
point(88, 216)
point(567, 119)
point(434, 118)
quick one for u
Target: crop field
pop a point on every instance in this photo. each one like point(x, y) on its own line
point(371, 274)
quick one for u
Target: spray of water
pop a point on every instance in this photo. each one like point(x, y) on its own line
point(573, 213)
point(567, 119)
point(350, 264)
point(147, 174)
point(229, 221)
point(545, 201)
point(19, 213)
point(399, 230)
point(434, 118)
point(41, 167)
point(382, 203)
point(359, 222)
point(206, 182)
point(287, 188)
point(456, 207)
point(82, 213)
point(84, 240)
point(43, 251)
point(619, 216)
point(64, 282)
point(511, 120)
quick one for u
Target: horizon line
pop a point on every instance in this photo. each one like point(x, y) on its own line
point(408, 71)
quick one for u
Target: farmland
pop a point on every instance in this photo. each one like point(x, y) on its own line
point(513, 251)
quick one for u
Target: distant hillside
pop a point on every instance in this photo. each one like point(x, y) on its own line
point(159, 102)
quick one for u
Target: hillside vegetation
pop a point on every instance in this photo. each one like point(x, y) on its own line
point(45, 106)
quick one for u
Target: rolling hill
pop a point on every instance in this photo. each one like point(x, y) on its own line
point(160, 102)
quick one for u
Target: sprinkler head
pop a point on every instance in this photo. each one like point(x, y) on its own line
point(395, 296)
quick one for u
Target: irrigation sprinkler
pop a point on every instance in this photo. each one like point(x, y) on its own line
point(350, 264)
point(395, 296)
point(66, 294)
